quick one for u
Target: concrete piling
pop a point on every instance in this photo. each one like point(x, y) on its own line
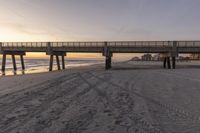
point(108, 56)
point(58, 62)
point(164, 62)
point(51, 63)
point(108, 62)
point(57, 55)
point(14, 62)
point(22, 62)
point(63, 62)
point(13, 54)
point(173, 62)
point(3, 63)
point(168, 63)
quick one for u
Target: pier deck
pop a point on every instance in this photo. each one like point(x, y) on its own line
point(170, 49)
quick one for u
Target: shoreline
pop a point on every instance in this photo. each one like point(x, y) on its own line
point(131, 65)
point(38, 71)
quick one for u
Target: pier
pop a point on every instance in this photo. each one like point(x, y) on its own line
point(169, 49)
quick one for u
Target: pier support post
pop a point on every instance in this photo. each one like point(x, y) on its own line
point(108, 56)
point(63, 62)
point(22, 62)
point(108, 62)
point(173, 62)
point(164, 62)
point(168, 63)
point(14, 62)
point(58, 62)
point(3, 63)
point(57, 54)
point(51, 63)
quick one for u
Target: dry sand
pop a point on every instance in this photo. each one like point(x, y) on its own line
point(126, 99)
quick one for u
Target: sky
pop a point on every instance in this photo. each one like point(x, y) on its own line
point(99, 20)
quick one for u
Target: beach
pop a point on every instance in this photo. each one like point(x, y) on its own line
point(126, 99)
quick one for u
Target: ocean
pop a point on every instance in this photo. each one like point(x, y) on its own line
point(42, 65)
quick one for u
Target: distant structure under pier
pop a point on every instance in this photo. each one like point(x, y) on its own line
point(168, 49)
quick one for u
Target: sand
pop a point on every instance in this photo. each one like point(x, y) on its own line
point(127, 99)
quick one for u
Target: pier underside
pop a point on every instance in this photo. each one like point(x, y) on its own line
point(13, 54)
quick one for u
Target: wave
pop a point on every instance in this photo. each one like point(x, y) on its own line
point(42, 65)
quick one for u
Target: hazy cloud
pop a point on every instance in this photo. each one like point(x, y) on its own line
point(102, 19)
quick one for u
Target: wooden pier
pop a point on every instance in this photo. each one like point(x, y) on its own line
point(170, 50)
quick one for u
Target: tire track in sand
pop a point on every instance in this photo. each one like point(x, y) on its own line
point(45, 122)
point(45, 99)
point(32, 110)
point(121, 107)
point(165, 106)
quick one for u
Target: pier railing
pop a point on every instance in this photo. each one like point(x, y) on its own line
point(24, 44)
point(88, 44)
point(188, 43)
point(101, 44)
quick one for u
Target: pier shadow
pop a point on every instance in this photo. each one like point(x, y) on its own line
point(188, 67)
point(136, 67)
point(154, 67)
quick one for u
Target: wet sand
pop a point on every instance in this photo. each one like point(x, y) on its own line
point(126, 99)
